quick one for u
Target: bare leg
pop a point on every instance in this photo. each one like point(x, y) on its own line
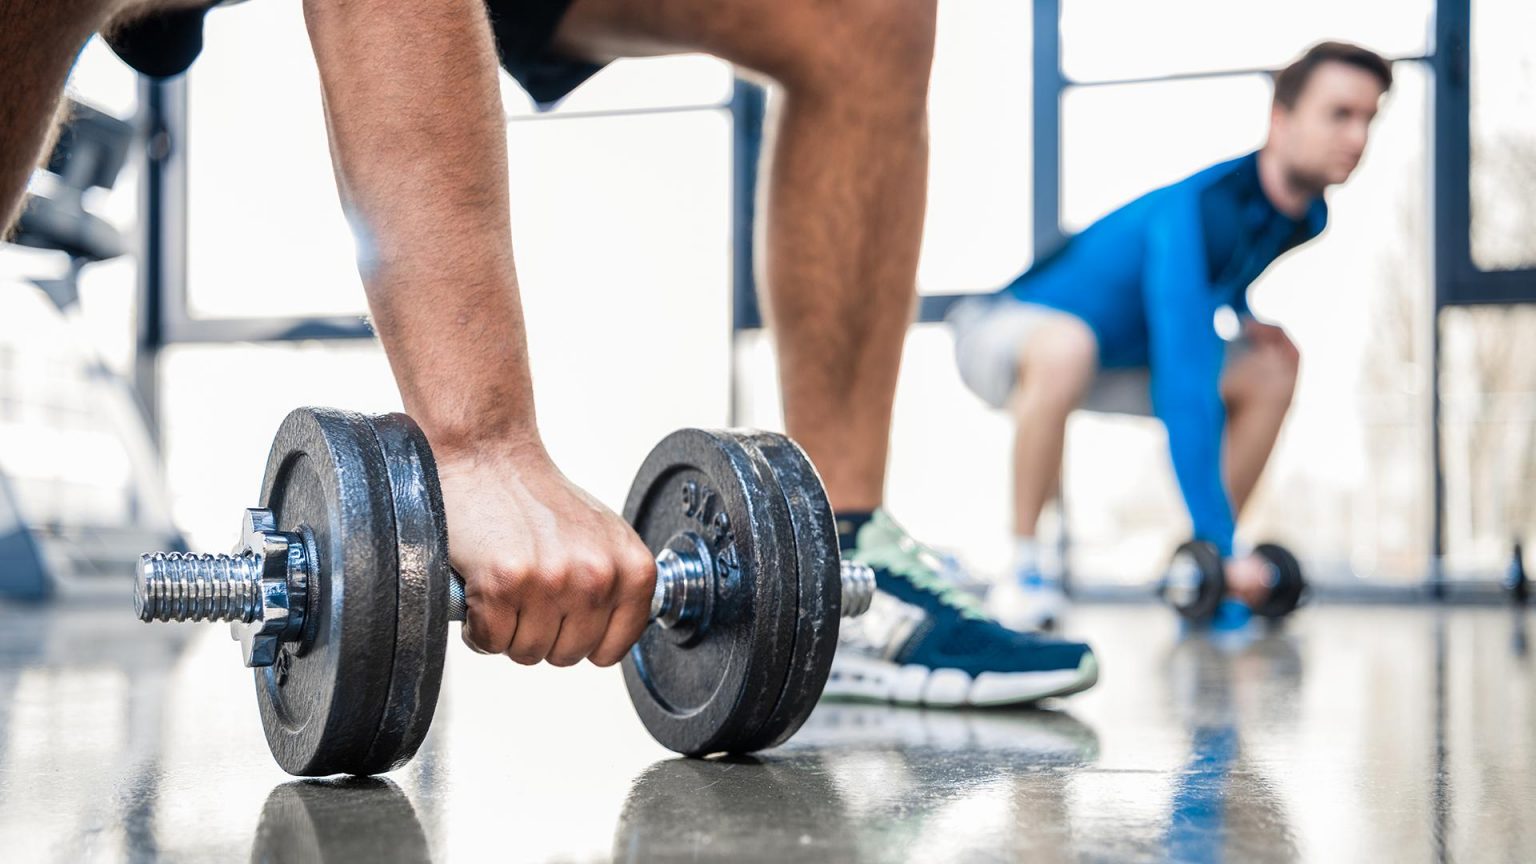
point(1056, 367)
point(845, 194)
point(39, 40)
point(1257, 390)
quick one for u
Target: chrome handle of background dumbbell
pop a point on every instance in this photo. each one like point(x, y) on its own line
point(261, 588)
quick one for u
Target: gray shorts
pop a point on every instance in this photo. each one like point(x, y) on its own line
point(990, 334)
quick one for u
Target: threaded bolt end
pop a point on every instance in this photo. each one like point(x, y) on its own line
point(858, 588)
point(174, 586)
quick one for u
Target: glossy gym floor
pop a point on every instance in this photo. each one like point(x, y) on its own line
point(1359, 733)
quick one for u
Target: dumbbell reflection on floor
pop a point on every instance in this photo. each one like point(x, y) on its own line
point(340, 591)
point(1197, 581)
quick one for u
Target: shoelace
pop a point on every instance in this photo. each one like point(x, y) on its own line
point(923, 567)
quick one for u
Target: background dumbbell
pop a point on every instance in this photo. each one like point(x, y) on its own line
point(339, 591)
point(1196, 581)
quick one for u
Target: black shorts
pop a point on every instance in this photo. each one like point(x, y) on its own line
point(524, 30)
point(164, 45)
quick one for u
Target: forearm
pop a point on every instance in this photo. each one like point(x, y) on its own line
point(1186, 397)
point(1196, 456)
point(419, 144)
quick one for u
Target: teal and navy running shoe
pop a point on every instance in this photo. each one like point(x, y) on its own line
point(926, 642)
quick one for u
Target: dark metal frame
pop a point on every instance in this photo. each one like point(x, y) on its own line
point(163, 310)
point(1458, 280)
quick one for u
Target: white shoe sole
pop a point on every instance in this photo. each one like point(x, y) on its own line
point(871, 679)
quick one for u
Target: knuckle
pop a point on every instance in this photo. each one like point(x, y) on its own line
point(603, 660)
point(474, 643)
point(587, 568)
point(594, 561)
point(524, 656)
point(563, 661)
point(595, 588)
point(551, 580)
point(499, 586)
point(484, 627)
point(642, 564)
point(639, 578)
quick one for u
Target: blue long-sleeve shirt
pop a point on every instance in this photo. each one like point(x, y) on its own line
point(1149, 279)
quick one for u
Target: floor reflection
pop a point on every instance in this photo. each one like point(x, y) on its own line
point(330, 821)
point(1359, 734)
point(80, 701)
point(1223, 806)
point(868, 782)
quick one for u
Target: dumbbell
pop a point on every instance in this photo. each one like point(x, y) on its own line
point(1196, 581)
point(340, 592)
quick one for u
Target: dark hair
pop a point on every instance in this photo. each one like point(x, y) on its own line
point(1290, 81)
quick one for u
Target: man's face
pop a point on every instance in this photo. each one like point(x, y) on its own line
point(1322, 136)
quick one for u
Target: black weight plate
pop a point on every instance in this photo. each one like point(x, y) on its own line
point(321, 703)
point(1285, 595)
point(709, 689)
point(355, 819)
point(421, 622)
point(1196, 581)
point(819, 609)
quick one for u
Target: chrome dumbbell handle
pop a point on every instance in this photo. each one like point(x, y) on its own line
point(679, 580)
point(858, 584)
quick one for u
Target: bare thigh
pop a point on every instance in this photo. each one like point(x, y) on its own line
point(774, 37)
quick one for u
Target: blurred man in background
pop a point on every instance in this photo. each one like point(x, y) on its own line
point(1128, 310)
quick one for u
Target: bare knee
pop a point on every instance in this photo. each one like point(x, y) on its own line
point(1267, 376)
point(872, 54)
point(1057, 365)
point(1285, 368)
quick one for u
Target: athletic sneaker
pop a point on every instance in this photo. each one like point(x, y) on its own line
point(960, 576)
point(1029, 601)
point(926, 642)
